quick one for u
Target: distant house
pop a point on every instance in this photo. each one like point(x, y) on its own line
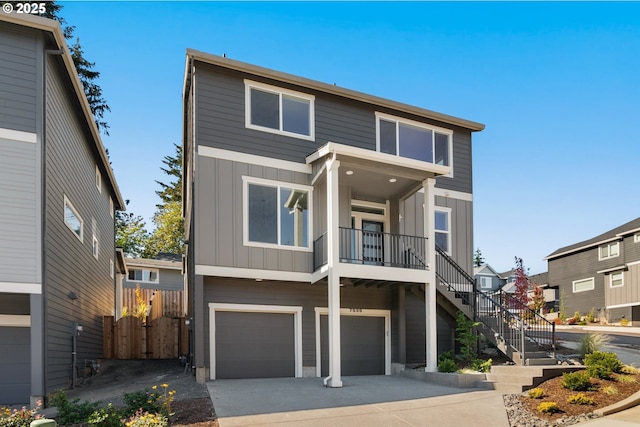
point(159, 276)
point(58, 196)
point(601, 273)
point(550, 292)
point(487, 279)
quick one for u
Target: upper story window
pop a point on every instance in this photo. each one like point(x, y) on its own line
point(414, 140)
point(443, 228)
point(616, 279)
point(583, 285)
point(148, 275)
point(98, 179)
point(636, 238)
point(276, 214)
point(111, 207)
point(485, 282)
point(95, 247)
point(111, 268)
point(609, 250)
point(72, 219)
point(272, 109)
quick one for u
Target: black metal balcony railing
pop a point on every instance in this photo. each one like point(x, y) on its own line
point(374, 248)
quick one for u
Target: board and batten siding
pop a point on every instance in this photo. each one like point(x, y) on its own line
point(219, 218)
point(220, 123)
point(69, 262)
point(241, 291)
point(629, 293)
point(19, 56)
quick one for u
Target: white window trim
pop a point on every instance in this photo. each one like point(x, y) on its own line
point(144, 281)
point(448, 211)
point(414, 123)
point(111, 207)
point(593, 284)
point(249, 84)
point(636, 238)
point(621, 281)
point(250, 308)
point(484, 279)
point(609, 244)
point(111, 268)
point(98, 179)
point(246, 180)
point(68, 204)
point(95, 247)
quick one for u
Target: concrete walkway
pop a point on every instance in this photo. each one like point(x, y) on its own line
point(363, 401)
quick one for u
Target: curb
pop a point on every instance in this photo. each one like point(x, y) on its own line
point(627, 403)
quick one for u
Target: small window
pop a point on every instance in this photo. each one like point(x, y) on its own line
point(485, 282)
point(583, 285)
point(94, 247)
point(276, 214)
point(636, 238)
point(616, 279)
point(111, 268)
point(72, 219)
point(609, 250)
point(277, 110)
point(443, 229)
point(414, 140)
point(143, 275)
point(98, 179)
point(111, 207)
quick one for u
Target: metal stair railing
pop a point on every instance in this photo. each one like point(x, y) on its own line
point(454, 278)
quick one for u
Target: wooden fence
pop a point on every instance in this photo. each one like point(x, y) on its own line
point(163, 303)
point(160, 338)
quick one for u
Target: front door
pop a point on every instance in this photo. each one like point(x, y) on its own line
point(369, 223)
point(372, 242)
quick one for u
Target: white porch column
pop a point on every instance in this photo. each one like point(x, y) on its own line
point(333, 278)
point(430, 287)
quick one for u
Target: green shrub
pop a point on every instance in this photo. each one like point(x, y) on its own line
point(447, 365)
point(591, 316)
point(624, 322)
point(626, 379)
point(610, 390)
point(536, 393)
point(481, 365)
point(606, 359)
point(72, 412)
point(580, 399)
point(599, 371)
point(106, 417)
point(146, 419)
point(548, 407)
point(629, 370)
point(19, 417)
point(576, 381)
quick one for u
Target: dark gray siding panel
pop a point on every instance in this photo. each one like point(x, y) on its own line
point(462, 165)
point(254, 345)
point(69, 263)
point(18, 51)
point(15, 369)
point(19, 207)
point(170, 280)
point(14, 304)
point(416, 331)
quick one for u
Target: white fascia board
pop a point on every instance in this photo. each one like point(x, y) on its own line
point(624, 233)
point(609, 270)
point(21, 288)
point(581, 248)
point(252, 159)
point(251, 273)
point(628, 304)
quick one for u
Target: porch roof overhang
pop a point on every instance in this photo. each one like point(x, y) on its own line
point(378, 175)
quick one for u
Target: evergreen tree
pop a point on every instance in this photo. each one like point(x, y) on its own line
point(172, 192)
point(131, 234)
point(168, 235)
point(478, 259)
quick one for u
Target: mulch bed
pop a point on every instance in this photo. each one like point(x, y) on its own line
point(193, 413)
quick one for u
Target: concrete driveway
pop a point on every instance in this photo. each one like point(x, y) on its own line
point(363, 401)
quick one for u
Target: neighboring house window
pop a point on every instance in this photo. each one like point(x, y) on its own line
point(98, 179)
point(111, 268)
point(272, 109)
point(609, 250)
point(111, 208)
point(414, 140)
point(616, 279)
point(147, 275)
point(583, 285)
point(485, 282)
point(276, 214)
point(72, 219)
point(636, 238)
point(443, 229)
point(95, 247)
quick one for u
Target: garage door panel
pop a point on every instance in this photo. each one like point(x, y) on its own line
point(15, 366)
point(254, 345)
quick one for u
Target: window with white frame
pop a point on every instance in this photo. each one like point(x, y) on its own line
point(277, 110)
point(414, 140)
point(616, 279)
point(72, 219)
point(485, 282)
point(94, 247)
point(98, 179)
point(111, 207)
point(442, 223)
point(609, 250)
point(583, 285)
point(111, 268)
point(276, 214)
point(147, 275)
point(636, 238)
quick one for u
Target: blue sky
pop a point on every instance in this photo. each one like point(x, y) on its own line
point(556, 84)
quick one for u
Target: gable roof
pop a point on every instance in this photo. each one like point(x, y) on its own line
point(611, 235)
point(322, 87)
point(479, 270)
point(53, 28)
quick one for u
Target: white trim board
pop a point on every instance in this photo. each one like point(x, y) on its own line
point(21, 288)
point(251, 308)
point(386, 314)
point(15, 320)
point(18, 136)
point(252, 273)
point(451, 194)
point(628, 304)
point(252, 159)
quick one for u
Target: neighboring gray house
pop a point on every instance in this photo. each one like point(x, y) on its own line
point(601, 273)
point(487, 279)
point(57, 201)
point(312, 215)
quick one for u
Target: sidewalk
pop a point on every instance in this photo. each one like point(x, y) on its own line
point(621, 330)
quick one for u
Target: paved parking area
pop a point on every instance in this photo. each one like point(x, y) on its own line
point(363, 401)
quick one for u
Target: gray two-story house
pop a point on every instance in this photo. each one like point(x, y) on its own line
point(58, 196)
point(601, 273)
point(312, 216)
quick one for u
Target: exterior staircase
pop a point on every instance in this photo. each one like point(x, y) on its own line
point(524, 336)
point(516, 379)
